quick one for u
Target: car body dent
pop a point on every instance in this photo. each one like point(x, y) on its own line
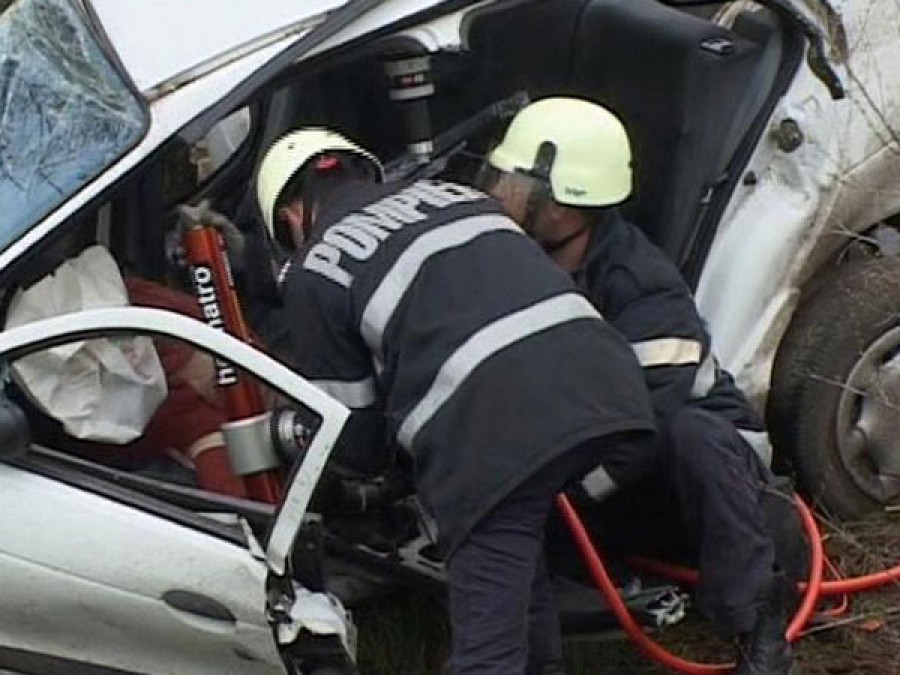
point(774, 235)
point(803, 206)
point(319, 614)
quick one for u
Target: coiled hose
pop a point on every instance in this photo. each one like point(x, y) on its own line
point(812, 590)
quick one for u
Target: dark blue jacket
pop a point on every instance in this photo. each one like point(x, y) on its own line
point(638, 289)
point(424, 305)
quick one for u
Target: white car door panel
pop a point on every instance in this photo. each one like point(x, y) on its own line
point(85, 578)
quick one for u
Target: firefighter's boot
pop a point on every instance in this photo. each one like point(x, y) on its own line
point(765, 649)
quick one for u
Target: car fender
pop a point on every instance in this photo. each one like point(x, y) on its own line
point(797, 206)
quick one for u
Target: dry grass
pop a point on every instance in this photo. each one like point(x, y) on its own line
point(409, 635)
point(403, 634)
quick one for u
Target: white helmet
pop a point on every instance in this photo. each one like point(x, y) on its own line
point(289, 154)
point(579, 147)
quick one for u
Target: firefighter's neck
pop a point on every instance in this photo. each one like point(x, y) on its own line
point(564, 234)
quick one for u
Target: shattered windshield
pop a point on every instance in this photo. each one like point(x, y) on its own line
point(65, 113)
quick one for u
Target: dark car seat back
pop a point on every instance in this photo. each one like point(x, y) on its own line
point(526, 45)
point(687, 90)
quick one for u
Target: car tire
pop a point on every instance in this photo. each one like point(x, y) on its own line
point(833, 384)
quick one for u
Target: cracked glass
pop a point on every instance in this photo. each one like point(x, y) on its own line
point(65, 113)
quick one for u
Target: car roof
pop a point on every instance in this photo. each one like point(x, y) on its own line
point(160, 42)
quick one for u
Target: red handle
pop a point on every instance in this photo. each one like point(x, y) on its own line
point(220, 308)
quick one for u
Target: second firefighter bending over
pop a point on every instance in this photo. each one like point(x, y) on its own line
point(560, 171)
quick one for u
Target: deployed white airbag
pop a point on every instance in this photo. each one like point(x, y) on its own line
point(104, 389)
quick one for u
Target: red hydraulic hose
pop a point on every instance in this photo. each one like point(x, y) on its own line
point(864, 583)
point(844, 606)
point(850, 586)
point(635, 632)
point(817, 565)
point(683, 575)
point(688, 576)
point(812, 590)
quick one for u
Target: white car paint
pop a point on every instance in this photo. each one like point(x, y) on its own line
point(770, 239)
point(108, 581)
point(441, 32)
point(806, 204)
point(191, 38)
point(84, 578)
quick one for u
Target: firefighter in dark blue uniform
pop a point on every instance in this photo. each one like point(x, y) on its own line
point(560, 170)
point(445, 329)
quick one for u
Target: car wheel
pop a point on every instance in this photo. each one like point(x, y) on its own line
point(834, 405)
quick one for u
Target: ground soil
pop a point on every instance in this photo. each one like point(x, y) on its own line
point(408, 635)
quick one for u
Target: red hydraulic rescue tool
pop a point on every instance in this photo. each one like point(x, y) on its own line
point(247, 433)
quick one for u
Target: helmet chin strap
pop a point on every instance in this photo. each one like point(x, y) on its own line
point(307, 220)
point(537, 196)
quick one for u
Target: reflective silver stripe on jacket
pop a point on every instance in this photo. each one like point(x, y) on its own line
point(705, 379)
point(667, 352)
point(393, 286)
point(598, 484)
point(484, 344)
point(352, 393)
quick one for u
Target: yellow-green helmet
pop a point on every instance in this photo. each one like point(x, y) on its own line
point(581, 148)
point(289, 154)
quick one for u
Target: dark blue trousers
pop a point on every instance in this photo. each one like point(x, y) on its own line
point(502, 603)
point(704, 504)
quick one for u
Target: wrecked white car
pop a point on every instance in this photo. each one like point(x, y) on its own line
point(766, 162)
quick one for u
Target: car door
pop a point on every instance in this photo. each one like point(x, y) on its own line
point(90, 583)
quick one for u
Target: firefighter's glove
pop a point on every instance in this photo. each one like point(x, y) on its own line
point(203, 215)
